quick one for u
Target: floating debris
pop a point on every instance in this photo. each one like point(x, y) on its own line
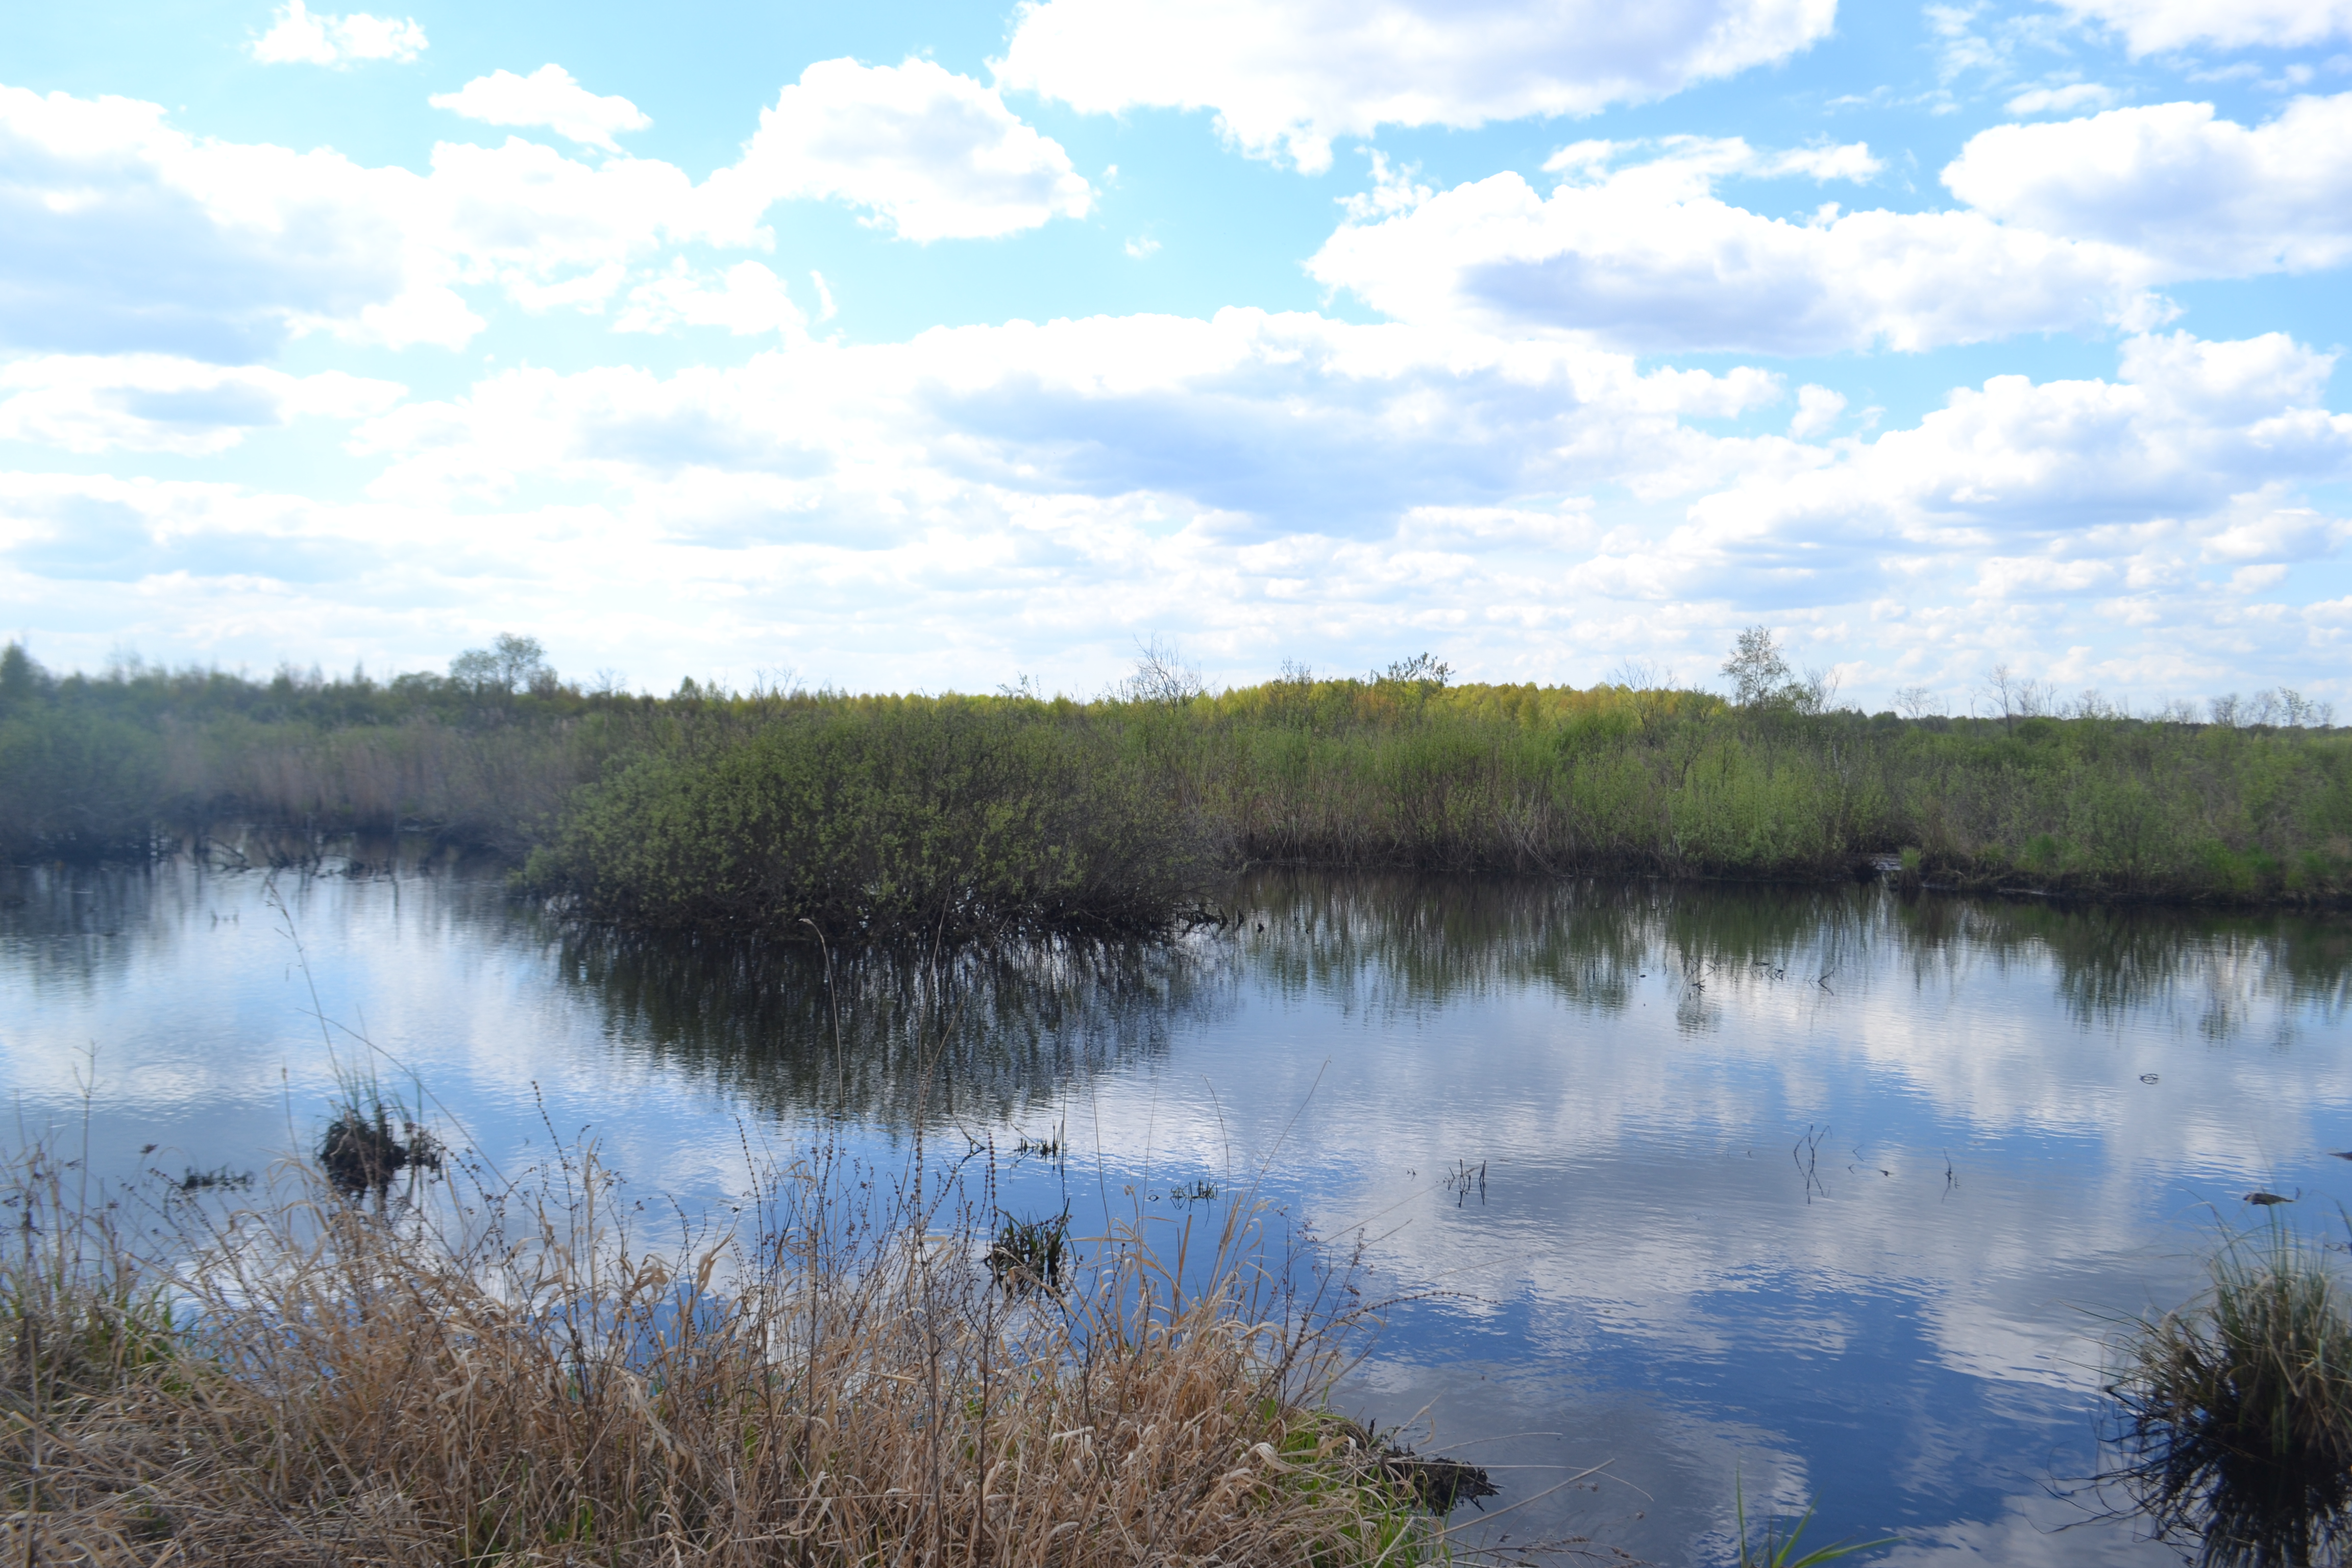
point(1440, 1485)
point(197, 1181)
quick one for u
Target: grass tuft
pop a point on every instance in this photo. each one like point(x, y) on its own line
point(2236, 1410)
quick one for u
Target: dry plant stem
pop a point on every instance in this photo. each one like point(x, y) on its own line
point(505, 1373)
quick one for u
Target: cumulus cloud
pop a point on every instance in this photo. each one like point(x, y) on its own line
point(2069, 226)
point(1286, 77)
point(261, 241)
point(2044, 489)
point(1818, 409)
point(1258, 482)
point(525, 215)
point(152, 403)
point(1643, 255)
point(746, 299)
point(930, 154)
point(265, 244)
point(2150, 26)
point(297, 37)
point(1275, 423)
point(548, 97)
point(2200, 196)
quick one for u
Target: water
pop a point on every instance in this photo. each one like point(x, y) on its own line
point(1834, 1193)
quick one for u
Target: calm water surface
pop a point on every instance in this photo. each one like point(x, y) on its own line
point(1830, 1191)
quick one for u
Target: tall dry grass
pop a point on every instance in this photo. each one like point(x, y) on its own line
point(517, 1372)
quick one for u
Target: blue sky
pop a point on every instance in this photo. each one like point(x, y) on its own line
point(923, 346)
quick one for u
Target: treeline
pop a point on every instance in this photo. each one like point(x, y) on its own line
point(788, 812)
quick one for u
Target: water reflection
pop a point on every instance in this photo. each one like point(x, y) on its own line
point(1401, 943)
point(979, 1038)
point(2230, 968)
point(2019, 1110)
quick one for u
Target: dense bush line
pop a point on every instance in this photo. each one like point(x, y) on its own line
point(865, 818)
point(719, 812)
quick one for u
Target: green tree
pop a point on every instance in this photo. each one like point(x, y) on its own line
point(1758, 672)
point(509, 665)
point(20, 677)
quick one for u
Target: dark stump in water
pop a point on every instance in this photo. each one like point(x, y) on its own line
point(362, 1156)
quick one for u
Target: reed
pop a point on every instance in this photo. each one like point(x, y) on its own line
point(2235, 1412)
point(507, 1372)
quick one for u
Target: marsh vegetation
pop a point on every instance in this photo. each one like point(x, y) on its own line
point(481, 1369)
point(790, 813)
point(2235, 1413)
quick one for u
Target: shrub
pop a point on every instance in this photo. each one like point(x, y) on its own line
point(885, 820)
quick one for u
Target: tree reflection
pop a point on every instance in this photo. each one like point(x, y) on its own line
point(982, 1035)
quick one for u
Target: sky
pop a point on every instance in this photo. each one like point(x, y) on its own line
point(908, 346)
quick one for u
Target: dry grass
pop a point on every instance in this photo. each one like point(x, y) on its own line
point(504, 1372)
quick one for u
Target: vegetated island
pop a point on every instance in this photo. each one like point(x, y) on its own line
point(782, 814)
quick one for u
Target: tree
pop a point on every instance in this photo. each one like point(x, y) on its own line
point(1758, 672)
point(20, 677)
point(1915, 702)
point(1420, 670)
point(509, 665)
point(1162, 675)
point(2019, 697)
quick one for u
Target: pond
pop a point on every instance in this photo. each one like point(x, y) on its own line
point(1831, 1192)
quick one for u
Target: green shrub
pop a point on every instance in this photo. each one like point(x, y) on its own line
point(885, 819)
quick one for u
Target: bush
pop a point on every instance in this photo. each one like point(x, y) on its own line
point(868, 821)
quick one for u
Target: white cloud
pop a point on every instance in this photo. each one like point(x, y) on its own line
point(262, 241)
point(2068, 226)
point(267, 244)
point(524, 213)
point(2204, 196)
point(2063, 100)
point(1818, 409)
point(2149, 26)
point(2046, 488)
point(548, 97)
point(928, 153)
point(152, 403)
point(1143, 248)
point(1296, 420)
point(746, 299)
point(1644, 256)
point(1026, 496)
point(297, 37)
point(1286, 77)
